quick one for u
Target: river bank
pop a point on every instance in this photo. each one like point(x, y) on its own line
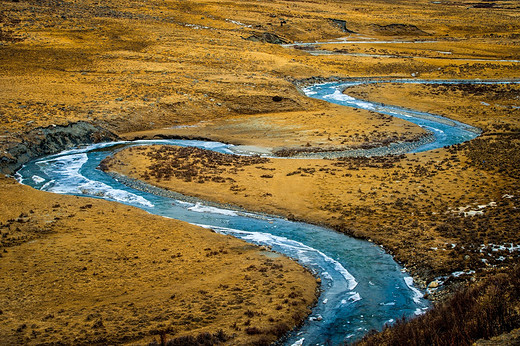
point(357, 278)
point(90, 278)
point(434, 187)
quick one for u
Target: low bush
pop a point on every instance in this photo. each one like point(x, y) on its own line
point(486, 309)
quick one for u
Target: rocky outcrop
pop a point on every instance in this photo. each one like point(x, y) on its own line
point(267, 37)
point(15, 150)
point(342, 25)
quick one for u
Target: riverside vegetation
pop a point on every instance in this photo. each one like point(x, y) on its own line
point(74, 272)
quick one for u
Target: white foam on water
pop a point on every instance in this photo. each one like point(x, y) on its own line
point(302, 251)
point(68, 180)
point(37, 179)
point(417, 296)
point(338, 95)
point(299, 342)
point(200, 208)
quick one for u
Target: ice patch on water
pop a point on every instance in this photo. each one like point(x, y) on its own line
point(419, 311)
point(417, 296)
point(355, 297)
point(45, 187)
point(236, 22)
point(326, 276)
point(200, 208)
point(352, 283)
point(387, 304)
point(68, 180)
point(37, 179)
point(215, 146)
point(299, 342)
point(18, 176)
point(338, 95)
point(457, 274)
point(294, 248)
point(183, 203)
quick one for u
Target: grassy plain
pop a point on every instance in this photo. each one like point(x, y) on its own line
point(187, 68)
point(77, 270)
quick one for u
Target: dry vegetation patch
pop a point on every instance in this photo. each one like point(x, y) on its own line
point(77, 270)
point(458, 216)
point(486, 309)
point(130, 67)
point(331, 129)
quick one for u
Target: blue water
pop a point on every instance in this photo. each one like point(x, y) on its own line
point(363, 288)
point(446, 132)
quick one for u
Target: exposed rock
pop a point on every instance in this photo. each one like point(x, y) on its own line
point(433, 284)
point(48, 140)
point(342, 25)
point(267, 37)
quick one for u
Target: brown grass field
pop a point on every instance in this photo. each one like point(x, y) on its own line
point(74, 271)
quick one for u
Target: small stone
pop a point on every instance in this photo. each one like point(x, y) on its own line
point(434, 284)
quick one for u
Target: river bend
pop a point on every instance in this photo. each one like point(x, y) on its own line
point(363, 288)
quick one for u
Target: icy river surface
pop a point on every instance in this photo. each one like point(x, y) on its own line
point(363, 288)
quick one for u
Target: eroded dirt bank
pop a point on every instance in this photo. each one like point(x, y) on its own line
point(20, 148)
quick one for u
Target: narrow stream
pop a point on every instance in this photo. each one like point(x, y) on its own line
point(444, 131)
point(363, 288)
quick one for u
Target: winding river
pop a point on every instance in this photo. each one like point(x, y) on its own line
point(363, 288)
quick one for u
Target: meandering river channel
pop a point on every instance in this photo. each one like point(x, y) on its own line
point(363, 288)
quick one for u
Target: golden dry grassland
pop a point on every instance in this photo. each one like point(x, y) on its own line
point(145, 69)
